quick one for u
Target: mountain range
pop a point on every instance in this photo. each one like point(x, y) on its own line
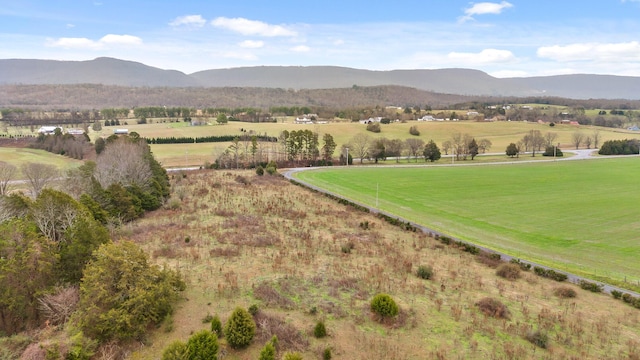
point(110, 71)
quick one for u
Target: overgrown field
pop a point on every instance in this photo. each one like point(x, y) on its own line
point(243, 240)
point(579, 216)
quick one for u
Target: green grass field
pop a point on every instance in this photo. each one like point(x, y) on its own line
point(19, 156)
point(579, 216)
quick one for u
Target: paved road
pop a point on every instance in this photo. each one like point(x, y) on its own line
point(579, 155)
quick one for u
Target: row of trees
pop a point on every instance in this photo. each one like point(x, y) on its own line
point(298, 147)
point(363, 146)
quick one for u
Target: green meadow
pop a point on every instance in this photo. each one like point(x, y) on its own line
point(579, 216)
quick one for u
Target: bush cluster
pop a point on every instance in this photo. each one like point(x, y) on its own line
point(509, 271)
point(384, 306)
point(494, 308)
point(538, 338)
point(424, 272)
point(590, 286)
point(550, 274)
point(374, 127)
point(564, 292)
point(523, 265)
point(619, 147)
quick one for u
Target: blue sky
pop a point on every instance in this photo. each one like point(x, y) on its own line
point(502, 38)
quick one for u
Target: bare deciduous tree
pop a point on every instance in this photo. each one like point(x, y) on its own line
point(596, 138)
point(54, 212)
point(38, 175)
point(58, 306)
point(7, 173)
point(577, 138)
point(123, 162)
point(550, 138)
point(359, 146)
point(414, 147)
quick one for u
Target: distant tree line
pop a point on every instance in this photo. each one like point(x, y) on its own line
point(63, 144)
point(204, 139)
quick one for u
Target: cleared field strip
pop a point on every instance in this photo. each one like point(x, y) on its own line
point(577, 216)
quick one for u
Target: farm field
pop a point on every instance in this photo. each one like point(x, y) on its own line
point(579, 216)
point(19, 156)
point(499, 133)
point(266, 242)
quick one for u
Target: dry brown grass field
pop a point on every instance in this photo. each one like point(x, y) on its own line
point(240, 240)
point(499, 133)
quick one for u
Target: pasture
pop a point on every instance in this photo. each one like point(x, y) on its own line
point(579, 216)
point(499, 133)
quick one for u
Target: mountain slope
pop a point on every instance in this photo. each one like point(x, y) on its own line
point(105, 71)
point(108, 71)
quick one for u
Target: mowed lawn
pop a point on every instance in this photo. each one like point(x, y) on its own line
point(579, 216)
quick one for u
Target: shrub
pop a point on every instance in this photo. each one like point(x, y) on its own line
point(216, 326)
point(550, 274)
point(538, 338)
point(239, 329)
point(207, 319)
point(424, 272)
point(260, 171)
point(320, 331)
point(292, 356)
point(374, 127)
point(494, 308)
point(268, 352)
point(523, 266)
point(384, 306)
point(564, 292)
point(346, 248)
point(326, 354)
point(202, 345)
point(414, 131)
point(509, 271)
point(177, 350)
point(271, 170)
point(253, 309)
point(628, 298)
point(590, 286)
point(616, 294)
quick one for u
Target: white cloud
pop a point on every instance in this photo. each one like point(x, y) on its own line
point(486, 56)
point(70, 26)
point(84, 43)
point(611, 52)
point(484, 8)
point(188, 20)
point(301, 48)
point(120, 40)
point(251, 44)
point(74, 43)
point(251, 27)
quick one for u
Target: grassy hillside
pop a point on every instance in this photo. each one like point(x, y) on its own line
point(241, 240)
point(578, 216)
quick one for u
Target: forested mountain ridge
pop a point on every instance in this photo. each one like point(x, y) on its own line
point(109, 71)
